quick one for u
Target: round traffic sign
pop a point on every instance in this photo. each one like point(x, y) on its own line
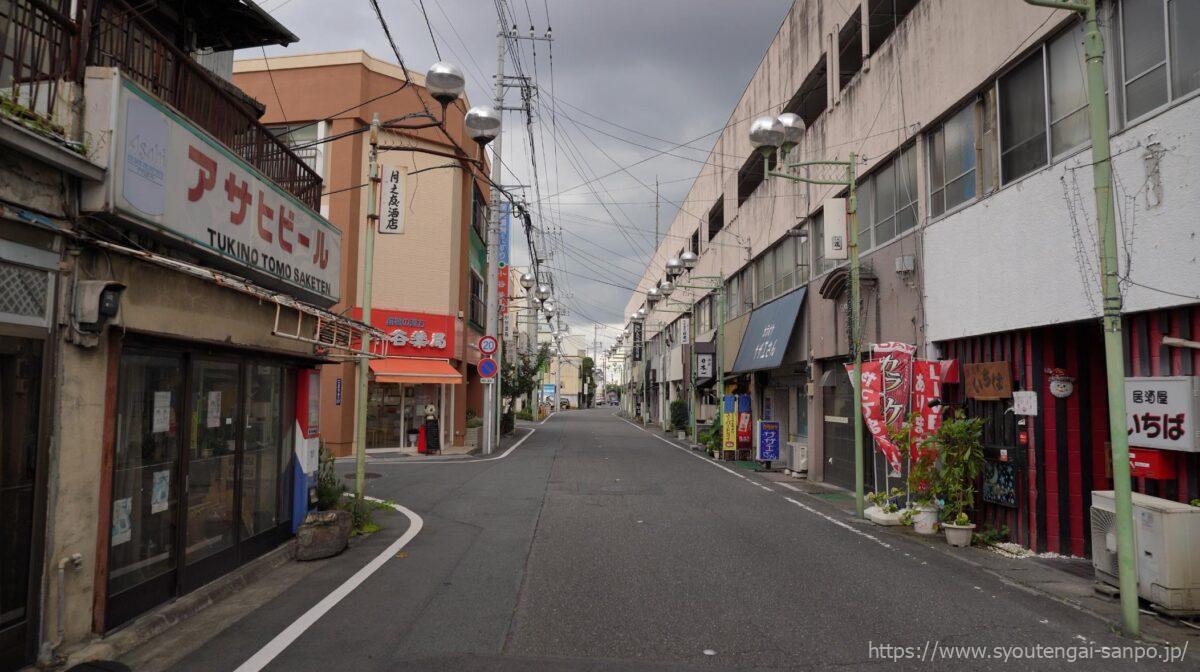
point(488, 345)
point(487, 367)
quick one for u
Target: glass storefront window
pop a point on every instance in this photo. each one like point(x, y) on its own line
point(261, 457)
point(145, 468)
point(212, 455)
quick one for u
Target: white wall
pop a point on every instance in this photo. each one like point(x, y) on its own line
point(1010, 261)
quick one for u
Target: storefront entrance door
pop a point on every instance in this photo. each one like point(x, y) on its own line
point(20, 401)
point(200, 472)
point(837, 399)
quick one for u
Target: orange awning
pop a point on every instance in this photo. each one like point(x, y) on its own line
point(414, 370)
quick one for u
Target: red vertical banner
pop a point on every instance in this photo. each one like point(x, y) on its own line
point(872, 401)
point(502, 289)
point(926, 386)
point(895, 370)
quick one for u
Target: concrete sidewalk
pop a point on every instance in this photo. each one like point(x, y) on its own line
point(1068, 580)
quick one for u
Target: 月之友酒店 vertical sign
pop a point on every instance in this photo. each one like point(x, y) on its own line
point(391, 200)
point(171, 178)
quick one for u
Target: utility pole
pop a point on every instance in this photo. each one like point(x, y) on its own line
point(557, 361)
point(492, 394)
point(1114, 339)
point(655, 215)
point(364, 361)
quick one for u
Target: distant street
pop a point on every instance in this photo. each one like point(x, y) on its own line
point(596, 545)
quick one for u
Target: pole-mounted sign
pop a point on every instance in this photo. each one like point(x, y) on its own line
point(488, 345)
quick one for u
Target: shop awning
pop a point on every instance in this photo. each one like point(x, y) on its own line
point(414, 370)
point(767, 335)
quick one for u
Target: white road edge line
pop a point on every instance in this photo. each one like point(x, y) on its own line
point(291, 633)
point(840, 523)
point(552, 414)
point(679, 447)
point(788, 486)
point(806, 507)
point(501, 456)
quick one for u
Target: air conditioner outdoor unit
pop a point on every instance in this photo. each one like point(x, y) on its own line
point(1166, 541)
point(799, 462)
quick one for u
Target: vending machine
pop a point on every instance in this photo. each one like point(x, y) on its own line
point(307, 445)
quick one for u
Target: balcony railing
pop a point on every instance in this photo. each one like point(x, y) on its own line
point(120, 37)
point(35, 55)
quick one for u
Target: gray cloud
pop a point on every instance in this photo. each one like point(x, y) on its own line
point(667, 68)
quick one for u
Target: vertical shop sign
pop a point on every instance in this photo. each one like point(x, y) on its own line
point(895, 371)
point(745, 436)
point(391, 202)
point(729, 422)
point(872, 406)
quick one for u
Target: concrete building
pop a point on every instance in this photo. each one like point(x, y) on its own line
point(976, 223)
point(163, 269)
point(430, 255)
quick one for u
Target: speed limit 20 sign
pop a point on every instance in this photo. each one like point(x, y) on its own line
point(488, 345)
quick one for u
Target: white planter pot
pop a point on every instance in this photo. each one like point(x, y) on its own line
point(880, 517)
point(959, 535)
point(925, 519)
point(682, 436)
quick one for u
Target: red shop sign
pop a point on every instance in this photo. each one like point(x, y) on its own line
point(1150, 463)
point(414, 334)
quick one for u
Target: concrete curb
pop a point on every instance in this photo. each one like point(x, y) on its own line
point(146, 627)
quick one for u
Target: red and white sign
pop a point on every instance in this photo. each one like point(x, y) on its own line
point(895, 370)
point(502, 289)
point(414, 334)
point(873, 411)
point(488, 345)
point(175, 180)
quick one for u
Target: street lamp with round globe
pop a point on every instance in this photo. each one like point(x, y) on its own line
point(542, 293)
point(445, 82)
point(548, 308)
point(766, 133)
point(793, 130)
point(674, 267)
point(666, 287)
point(482, 124)
point(527, 280)
point(641, 313)
point(653, 295)
point(689, 259)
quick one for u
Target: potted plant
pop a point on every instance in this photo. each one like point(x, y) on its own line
point(474, 430)
point(960, 442)
point(922, 490)
point(680, 418)
point(884, 510)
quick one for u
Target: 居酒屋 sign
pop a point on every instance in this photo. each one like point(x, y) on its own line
point(174, 180)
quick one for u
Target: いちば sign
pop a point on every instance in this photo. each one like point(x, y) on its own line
point(174, 180)
point(1161, 412)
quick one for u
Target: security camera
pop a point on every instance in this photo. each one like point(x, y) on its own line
point(97, 302)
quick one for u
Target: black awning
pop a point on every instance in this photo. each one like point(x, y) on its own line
point(766, 338)
point(235, 24)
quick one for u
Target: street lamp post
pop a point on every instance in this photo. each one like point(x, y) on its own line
point(531, 327)
point(687, 262)
point(483, 125)
point(445, 83)
point(771, 134)
point(1114, 346)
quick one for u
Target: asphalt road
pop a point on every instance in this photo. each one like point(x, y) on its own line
point(596, 545)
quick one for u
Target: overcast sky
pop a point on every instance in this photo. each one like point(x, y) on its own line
point(625, 73)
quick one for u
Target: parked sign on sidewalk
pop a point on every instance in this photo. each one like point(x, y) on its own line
point(766, 441)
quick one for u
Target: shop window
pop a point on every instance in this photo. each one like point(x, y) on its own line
point(764, 270)
point(1068, 91)
point(1154, 32)
point(479, 214)
point(849, 50)
point(811, 99)
point(212, 457)
point(888, 200)
point(716, 218)
point(1023, 119)
point(476, 311)
point(262, 466)
point(1042, 118)
point(145, 486)
point(732, 298)
point(885, 15)
point(952, 162)
point(785, 265)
